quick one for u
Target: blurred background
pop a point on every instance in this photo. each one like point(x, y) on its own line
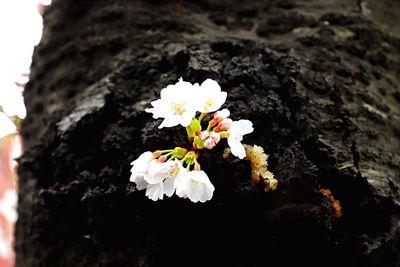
point(20, 30)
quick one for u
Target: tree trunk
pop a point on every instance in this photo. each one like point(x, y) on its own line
point(320, 81)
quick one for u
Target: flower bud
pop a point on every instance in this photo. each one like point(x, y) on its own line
point(222, 114)
point(209, 143)
point(215, 137)
point(197, 167)
point(162, 158)
point(224, 125)
point(203, 135)
point(198, 143)
point(156, 153)
point(179, 152)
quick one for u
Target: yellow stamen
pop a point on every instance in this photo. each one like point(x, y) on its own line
point(178, 108)
point(209, 103)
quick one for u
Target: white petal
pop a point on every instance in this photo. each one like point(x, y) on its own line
point(179, 91)
point(143, 160)
point(170, 186)
point(186, 118)
point(220, 100)
point(210, 86)
point(136, 176)
point(205, 194)
point(237, 148)
point(139, 166)
point(199, 188)
point(155, 191)
point(170, 121)
point(157, 172)
point(140, 183)
point(182, 185)
point(246, 127)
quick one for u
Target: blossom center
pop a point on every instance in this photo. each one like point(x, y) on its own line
point(209, 103)
point(178, 108)
point(174, 170)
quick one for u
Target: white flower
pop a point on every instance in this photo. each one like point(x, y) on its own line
point(155, 191)
point(236, 132)
point(176, 105)
point(210, 97)
point(139, 170)
point(196, 186)
point(158, 178)
point(165, 175)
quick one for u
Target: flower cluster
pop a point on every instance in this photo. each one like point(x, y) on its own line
point(165, 172)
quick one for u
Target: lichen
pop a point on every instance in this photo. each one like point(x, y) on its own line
point(259, 167)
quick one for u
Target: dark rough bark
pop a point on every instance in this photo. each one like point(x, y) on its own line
point(320, 81)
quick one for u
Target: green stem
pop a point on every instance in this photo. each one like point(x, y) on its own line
point(166, 151)
point(209, 128)
point(201, 117)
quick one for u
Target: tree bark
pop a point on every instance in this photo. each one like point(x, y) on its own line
point(320, 81)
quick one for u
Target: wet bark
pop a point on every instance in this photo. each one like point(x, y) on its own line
point(320, 81)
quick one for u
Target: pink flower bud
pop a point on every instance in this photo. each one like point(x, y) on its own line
point(213, 122)
point(162, 159)
point(215, 137)
point(222, 114)
point(197, 167)
point(156, 153)
point(225, 124)
point(209, 143)
point(203, 135)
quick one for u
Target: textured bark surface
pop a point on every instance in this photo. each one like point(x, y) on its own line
point(320, 81)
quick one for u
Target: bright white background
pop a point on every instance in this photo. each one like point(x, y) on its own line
point(20, 30)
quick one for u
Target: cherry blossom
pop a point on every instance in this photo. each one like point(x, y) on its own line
point(158, 178)
point(196, 186)
point(176, 105)
point(139, 170)
point(236, 132)
point(165, 172)
point(211, 98)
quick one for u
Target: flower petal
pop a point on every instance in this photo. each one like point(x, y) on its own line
point(170, 121)
point(157, 172)
point(245, 127)
point(155, 191)
point(170, 186)
point(237, 148)
point(199, 187)
point(140, 183)
point(186, 118)
point(210, 86)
